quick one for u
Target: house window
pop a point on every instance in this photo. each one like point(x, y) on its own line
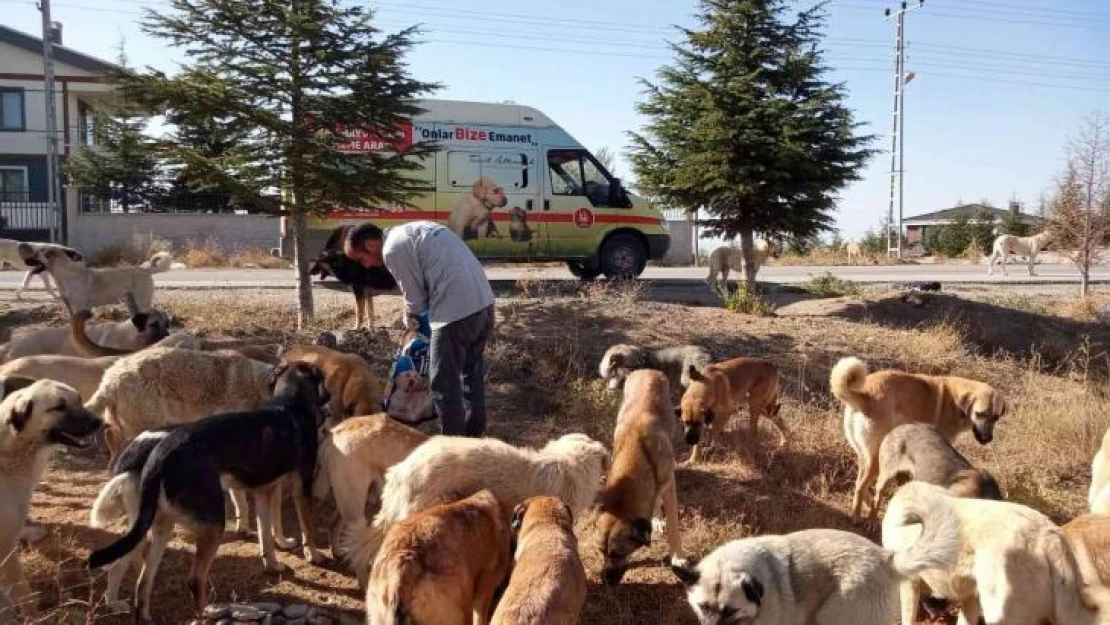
point(13, 184)
point(11, 110)
point(86, 127)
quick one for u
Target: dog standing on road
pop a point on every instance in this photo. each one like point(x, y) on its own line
point(641, 477)
point(876, 403)
point(718, 393)
point(22, 255)
point(726, 257)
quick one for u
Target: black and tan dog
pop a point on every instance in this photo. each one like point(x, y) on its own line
point(184, 476)
point(365, 283)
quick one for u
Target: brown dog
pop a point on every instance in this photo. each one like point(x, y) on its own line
point(642, 475)
point(876, 403)
point(442, 565)
point(1089, 537)
point(354, 388)
point(548, 584)
point(717, 394)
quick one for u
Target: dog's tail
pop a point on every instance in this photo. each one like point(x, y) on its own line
point(387, 603)
point(1079, 595)
point(847, 380)
point(112, 502)
point(160, 262)
point(359, 545)
point(150, 489)
point(938, 546)
point(321, 485)
point(80, 337)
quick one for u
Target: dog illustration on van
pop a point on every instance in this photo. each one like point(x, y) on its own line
point(518, 225)
point(471, 217)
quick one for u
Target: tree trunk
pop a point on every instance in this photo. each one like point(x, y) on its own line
point(747, 248)
point(1084, 280)
point(305, 309)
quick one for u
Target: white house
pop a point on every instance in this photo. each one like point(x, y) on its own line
point(79, 86)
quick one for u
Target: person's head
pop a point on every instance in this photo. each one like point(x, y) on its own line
point(363, 244)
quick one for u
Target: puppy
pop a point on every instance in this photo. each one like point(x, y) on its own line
point(1089, 537)
point(1098, 498)
point(820, 576)
point(22, 255)
point(353, 387)
point(410, 402)
point(471, 217)
point(447, 467)
point(365, 283)
point(354, 458)
point(518, 225)
point(85, 288)
point(548, 583)
point(718, 393)
point(920, 452)
point(620, 360)
point(642, 475)
point(36, 418)
point(876, 403)
point(1004, 562)
point(442, 565)
point(183, 478)
point(140, 331)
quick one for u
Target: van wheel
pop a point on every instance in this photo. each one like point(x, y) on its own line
point(584, 269)
point(623, 257)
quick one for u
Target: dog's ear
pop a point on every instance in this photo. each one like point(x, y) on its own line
point(687, 573)
point(641, 532)
point(75, 256)
point(518, 517)
point(694, 373)
point(140, 320)
point(276, 374)
point(752, 588)
point(616, 360)
point(477, 187)
point(12, 383)
point(678, 412)
point(21, 413)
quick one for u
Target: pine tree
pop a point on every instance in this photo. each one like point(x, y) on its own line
point(745, 125)
point(289, 75)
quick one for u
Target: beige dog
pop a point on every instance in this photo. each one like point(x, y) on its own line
point(1004, 562)
point(1089, 537)
point(354, 388)
point(24, 255)
point(86, 288)
point(718, 393)
point(725, 258)
point(1098, 498)
point(131, 335)
point(35, 418)
point(83, 374)
point(853, 250)
point(442, 566)
point(448, 467)
point(548, 584)
point(353, 460)
point(471, 217)
point(642, 475)
point(876, 403)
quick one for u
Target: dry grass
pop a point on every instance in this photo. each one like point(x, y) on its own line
point(542, 383)
point(140, 249)
point(210, 254)
point(819, 258)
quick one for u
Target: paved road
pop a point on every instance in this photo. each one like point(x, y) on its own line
point(281, 278)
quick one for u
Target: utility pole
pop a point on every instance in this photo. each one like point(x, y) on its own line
point(52, 166)
point(897, 137)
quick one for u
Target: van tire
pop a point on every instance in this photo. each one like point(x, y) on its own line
point(623, 257)
point(584, 270)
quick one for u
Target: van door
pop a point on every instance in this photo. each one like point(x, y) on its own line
point(491, 196)
point(578, 204)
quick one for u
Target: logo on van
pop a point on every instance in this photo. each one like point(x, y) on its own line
point(583, 218)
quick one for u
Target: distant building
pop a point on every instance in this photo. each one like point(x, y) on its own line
point(918, 225)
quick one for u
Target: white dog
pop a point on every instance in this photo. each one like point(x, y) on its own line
point(471, 217)
point(84, 288)
point(853, 250)
point(22, 255)
point(726, 258)
point(1008, 244)
point(447, 468)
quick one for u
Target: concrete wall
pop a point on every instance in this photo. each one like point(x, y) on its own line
point(91, 233)
point(681, 252)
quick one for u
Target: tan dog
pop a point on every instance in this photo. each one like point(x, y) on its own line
point(353, 460)
point(876, 403)
point(1098, 498)
point(130, 335)
point(718, 393)
point(471, 217)
point(442, 566)
point(83, 374)
point(853, 250)
point(354, 388)
point(1089, 537)
point(85, 288)
point(641, 477)
point(35, 418)
point(725, 258)
point(548, 584)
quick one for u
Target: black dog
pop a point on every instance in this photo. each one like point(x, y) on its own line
point(364, 283)
point(183, 478)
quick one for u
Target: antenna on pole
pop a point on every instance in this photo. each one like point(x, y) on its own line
point(897, 137)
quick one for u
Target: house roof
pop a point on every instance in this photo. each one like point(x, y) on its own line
point(62, 54)
point(970, 211)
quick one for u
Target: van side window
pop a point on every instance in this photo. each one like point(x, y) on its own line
point(575, 172)
point(508, 170)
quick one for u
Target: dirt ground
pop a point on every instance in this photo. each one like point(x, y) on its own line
point(1045, 352)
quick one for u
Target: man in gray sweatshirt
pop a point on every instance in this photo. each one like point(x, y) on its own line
point(438, 273)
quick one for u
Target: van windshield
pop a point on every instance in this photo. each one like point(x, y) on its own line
point(575, 172)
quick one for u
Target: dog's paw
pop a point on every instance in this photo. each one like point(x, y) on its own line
point(658, 525)
point(315, 556)
point(287, 544)
point(678, 562)
point(117, 607)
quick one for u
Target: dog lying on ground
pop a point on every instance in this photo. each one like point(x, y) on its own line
point(876, 403)
point(83, 374)
point(548, 583)
point(1098, 498)
point(918, 451)
point(718, 393)
point(1004, 562)
point(620, 360)
point(37, 417)
point(815, 576)
point(86, 288)
point(442, 565)
point(471, 217)
point(22, 255)
point(1089, 537)
point(725, 258)
point(641, 477)
point(131, 335)
point(354, 458)
point(448, 467)
point(353, 387)
point(182, 479)
point(365, 283)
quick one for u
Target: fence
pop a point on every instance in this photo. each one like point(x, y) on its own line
point(29, 221)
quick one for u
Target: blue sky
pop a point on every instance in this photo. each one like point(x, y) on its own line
point(1000, 84)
